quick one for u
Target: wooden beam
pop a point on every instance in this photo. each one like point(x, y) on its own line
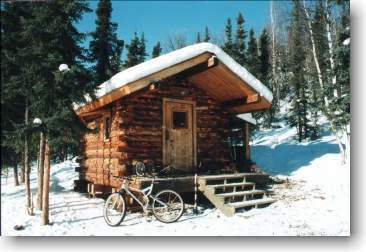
point(141, 83)
point(242, 101)
point(93, 113)
point(211, 62)
point(263, 104)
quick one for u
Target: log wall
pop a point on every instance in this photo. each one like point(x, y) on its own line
point(136, 131)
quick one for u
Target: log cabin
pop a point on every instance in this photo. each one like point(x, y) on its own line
point(186, 108)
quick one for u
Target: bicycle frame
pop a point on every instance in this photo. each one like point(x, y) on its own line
point(146, 193)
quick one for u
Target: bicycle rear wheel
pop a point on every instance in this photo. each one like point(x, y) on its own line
point(168, 206)
point(114, 209)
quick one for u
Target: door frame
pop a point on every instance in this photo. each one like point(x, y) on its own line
point(194, 128)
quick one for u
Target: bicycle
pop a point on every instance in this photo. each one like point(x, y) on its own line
point(167, 205)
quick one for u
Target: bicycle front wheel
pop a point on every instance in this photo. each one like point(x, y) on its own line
point(114, 209)
point(168, 206)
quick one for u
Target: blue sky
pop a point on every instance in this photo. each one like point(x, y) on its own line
point(159, 19)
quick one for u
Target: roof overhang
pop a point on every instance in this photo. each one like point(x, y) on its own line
point(205, 65)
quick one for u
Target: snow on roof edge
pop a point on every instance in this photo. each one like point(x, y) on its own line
point(175, 57)
point(248, 118)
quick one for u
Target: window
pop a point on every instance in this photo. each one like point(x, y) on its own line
point(107, 127)
point(179, 120)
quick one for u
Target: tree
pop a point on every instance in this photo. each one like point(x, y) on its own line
point(105, 47)
point(50, 97)
point(198, 38)
point(342, 104)
point(142, 49)
point(298, 116)
point(264, 65)
point(133, 52)
point(176, 41)
point(207, 35)
point(239, 47)
point(264, 73)
point(156, 50)
point(17, 86)
point(252, 56)
point(228, 45)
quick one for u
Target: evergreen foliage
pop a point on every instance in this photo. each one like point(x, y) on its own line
point(45, 39)
point(252, 56)
point(264, 72)
point(228, 45)
point(105, 47)
point(207, 35)
point(239, 47)
point(136, 53)
point(198, 38)
point(341, 104)
point(298, 116)
point(156, 50)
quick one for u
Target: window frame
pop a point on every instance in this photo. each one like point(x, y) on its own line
point(186, 126)
point(107, 128)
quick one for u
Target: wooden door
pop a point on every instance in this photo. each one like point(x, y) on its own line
point(179, 141)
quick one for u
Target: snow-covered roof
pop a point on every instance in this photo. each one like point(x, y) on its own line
point(167, 60)
point(248, 118)
point(157, 64)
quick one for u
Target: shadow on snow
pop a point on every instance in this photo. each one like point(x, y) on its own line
point(285, 158)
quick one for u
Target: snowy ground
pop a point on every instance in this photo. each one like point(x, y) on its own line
point(315, 201)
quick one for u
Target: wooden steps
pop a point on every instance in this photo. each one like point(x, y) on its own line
point(230, 192)
point(243, 193)
point(254, 203)
point(240, 184)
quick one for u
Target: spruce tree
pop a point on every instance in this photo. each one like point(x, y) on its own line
point(341, 105)
point(116, 61)
point(198, 38)
point(13, 92)
point(228, 45)
point(298, 115)
point(252, 56)
point(133, 52)
point(156, 50)
point(207, 35)
point(105, 47)
point(239, 47)
point(17, 79)
point(264, 65)
point(142, 49)
point(51, 94)
point(264, 73)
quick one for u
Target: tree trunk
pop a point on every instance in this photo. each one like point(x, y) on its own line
point(46, 185)
point(15, 169)
point(315, 55)
point(274, 58)
point(330, 47)
point(29, 204)
point(22, 169)
point(40, 171)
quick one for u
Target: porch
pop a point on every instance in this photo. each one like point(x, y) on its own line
point(227, 192)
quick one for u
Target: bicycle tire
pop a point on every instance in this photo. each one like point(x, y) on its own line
point(120, 208)
point(161, 199)
point(139, 168)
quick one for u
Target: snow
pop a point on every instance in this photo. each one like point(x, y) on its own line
point(248, 118)
point(315, 200)
point(167, 60)
point(347, 41)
